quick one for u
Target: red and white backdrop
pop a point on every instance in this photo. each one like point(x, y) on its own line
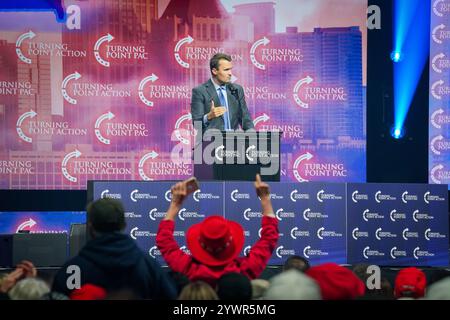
point(105, 94)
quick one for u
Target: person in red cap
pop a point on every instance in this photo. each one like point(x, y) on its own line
point(215, 243)
point(336, 282)
point(410, 283)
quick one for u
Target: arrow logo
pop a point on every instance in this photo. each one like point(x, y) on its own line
point(300, 83)
point(180, 43)
point(433, 141)
point(433, 172)
point(99, 59)
point(293, 230)
point(433, 89)
point(263, 118)
point(277, 213)
point(425, 197)
point(426, 234)
point(319, 233)
point(304, 157)
point(177, 128)
point(29, 223)
point(435, 10)
point(392, 253)
point(435, 59)
point(151, 155)
point(153, 77)
point(264, 41)
point(247, 153)
point(132, 233)
point(433, 120)
point(305, 214)
point(180, 214)
point(29, 35)
point(70, 155)
point(391, 215)
point(73, 76)
point(435, 30)
point(29, 114)
point(216, 152)
point(305, 251)
point(354, 233)
point(98, 122)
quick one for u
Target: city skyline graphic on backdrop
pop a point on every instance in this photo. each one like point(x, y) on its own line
point(111, 99)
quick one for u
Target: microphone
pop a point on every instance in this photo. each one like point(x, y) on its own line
point(233, 90)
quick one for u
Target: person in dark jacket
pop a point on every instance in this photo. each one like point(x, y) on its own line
point(112, 260)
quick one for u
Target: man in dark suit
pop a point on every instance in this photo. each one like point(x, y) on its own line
point(218, 103)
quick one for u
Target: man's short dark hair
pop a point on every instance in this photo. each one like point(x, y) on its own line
point(106, 215)
point(296, 262)
point(215, 60)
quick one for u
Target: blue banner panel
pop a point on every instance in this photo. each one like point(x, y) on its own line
point(384, 224)
point(146, 204)
point(397, 224)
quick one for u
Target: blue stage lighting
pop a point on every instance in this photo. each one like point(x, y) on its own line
point(397, 133)
point(396, 56)
point(411, 48)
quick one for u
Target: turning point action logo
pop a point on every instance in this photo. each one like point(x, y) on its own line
point(69, 156)
point(73, 76)
point(29, 35)
point(30, 114)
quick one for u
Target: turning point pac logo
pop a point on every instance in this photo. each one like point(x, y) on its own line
point(178, 46)
point(150, 155)
point(304, 157)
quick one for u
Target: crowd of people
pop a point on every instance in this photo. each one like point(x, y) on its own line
point(111, 266)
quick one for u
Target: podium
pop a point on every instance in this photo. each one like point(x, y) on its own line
point(237, 155)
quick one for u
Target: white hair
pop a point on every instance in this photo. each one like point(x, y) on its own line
point(29, 289)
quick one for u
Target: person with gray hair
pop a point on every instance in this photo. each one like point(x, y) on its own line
point(292, 285)
point(29, 289)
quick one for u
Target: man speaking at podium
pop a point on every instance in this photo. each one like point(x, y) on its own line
point(218, 103)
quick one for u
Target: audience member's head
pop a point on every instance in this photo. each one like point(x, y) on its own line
point(439, 290)
point(360, 270)
point(410, 283)
point(438, 275)
point(234, 286)
point(259, 287)
point(215, 241)
point(292, 285)
point(296, 262)
point(105, 216)
point(29, 289)
point(337, 282)
point(179, 279)
point(385, 292)
point(198, 290)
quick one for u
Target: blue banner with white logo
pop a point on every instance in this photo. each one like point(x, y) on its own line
point(384, 224)
point(397, 224)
